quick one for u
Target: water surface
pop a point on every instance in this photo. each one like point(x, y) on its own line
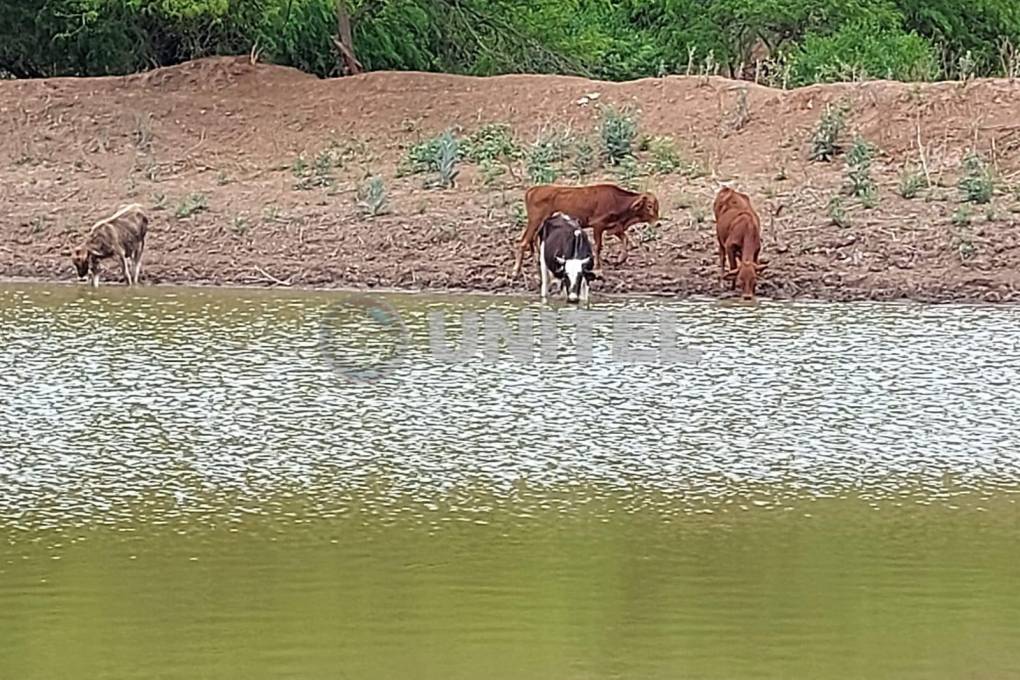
point(191, 486)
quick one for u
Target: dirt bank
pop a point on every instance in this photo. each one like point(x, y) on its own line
point(212, 148)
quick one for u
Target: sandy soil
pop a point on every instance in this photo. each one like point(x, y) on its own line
point(210, 148)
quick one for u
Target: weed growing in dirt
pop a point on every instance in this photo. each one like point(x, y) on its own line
point(825, 138)
point(991, 214)
point(36, 225)
point(648, 233)
point(240, 225)
point(491, 142)
point(781, 174)
point(698, 214)
point(372, 199)
point(299, 167)
point(618, 130)
point(977, 183)
point(911, 183)
point(837, 213)
point(858, 170)
point(159, 201)
point(491, 172)
point(518, 216)
point(222, 179)
point(447, 155)
point(541, 159)
point(422, 157)
point(585, 160)
point(962, 216)
point(627, 173)
point(191, 205)
point(665, 158)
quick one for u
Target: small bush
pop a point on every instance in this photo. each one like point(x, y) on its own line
point(911, 183)
point(239, 225)
point(962, 216)
point(491, 172)
point(618, 130)
point(372, 199)
point(977, 184)
point(447, 154)
point(585, 160)
point(665, 158)
point(825, 139)
point(858, 169)
point(543, 156)
point(627, 173)
point(491, 142)
point(837, 213)
point(320, 174)
point(421, 158)
point(191, 205)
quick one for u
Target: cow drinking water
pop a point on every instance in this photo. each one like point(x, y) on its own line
point(738, 231)
point(122, 235)
point(565, 252)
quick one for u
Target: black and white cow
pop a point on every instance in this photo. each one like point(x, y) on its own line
point(565, 252)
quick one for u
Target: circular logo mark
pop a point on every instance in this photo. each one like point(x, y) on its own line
point(362, 338)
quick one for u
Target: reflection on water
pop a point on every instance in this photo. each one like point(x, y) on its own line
point(188, 488)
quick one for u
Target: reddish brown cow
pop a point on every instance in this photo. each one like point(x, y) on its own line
point(603, 207)
point(738, 229)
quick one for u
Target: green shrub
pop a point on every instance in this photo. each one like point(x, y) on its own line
point(491, 142)
point(837, 213)
point(447, 155)
point(372, 199)
point(863, 50)
point(825, 138)
point(618, 130)
point(977, 183)
point(911, 182)
point(858, 169)
point(542, 158)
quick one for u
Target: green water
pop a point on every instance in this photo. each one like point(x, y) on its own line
point(190, 489)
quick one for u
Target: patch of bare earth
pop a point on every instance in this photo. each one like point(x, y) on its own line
point(210, 149)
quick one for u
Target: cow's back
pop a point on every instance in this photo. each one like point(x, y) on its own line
point(580, 202)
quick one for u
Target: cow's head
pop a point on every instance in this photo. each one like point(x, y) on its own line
point(746, 274)
point(579, 275)
point(645, 208)
point(80, 256)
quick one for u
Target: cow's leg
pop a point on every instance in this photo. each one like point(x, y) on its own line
point(722, 264)
point(733, 265)
point(138, 261)
point(526, 243)
point(597, 232)
point(545, 272)
point(584, 290)
point(126, 262)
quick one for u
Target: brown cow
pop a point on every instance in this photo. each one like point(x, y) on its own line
point(603, 207)
point(121, 234)
point(738, 230)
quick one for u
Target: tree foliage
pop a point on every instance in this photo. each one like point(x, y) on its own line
point(611, 39)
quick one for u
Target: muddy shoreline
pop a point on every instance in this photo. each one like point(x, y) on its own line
point(230, 178)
